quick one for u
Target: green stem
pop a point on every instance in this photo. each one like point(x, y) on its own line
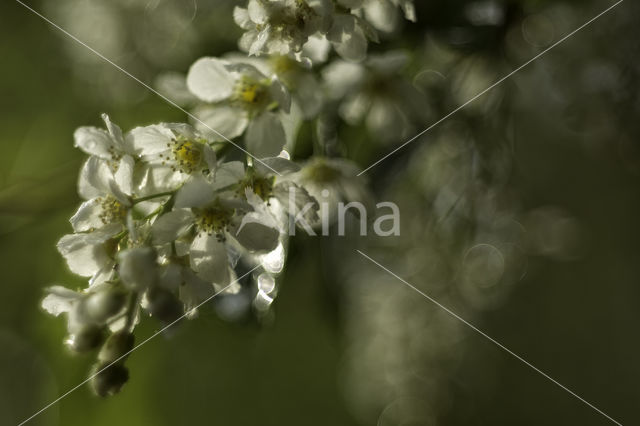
point(131, 311)
point(151, 197)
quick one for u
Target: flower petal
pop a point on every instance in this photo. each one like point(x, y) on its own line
point(94, 179)
point(309, 95)
point(342, 77)
point(352, 45)
point(197, 192)
point(221, 121)
point(265, 136)
point(174, 86)
point(354, 107)
point(124, 175)
point(255, 235)
point(193, 291)
point(261, 39)
point(59, 300)
point(257, 12)
point(383, 15)
point(210, 158)
point(83, 256)
point(228, 174)
point(150, 140)
point(154, 179)
point(241, 18)
point(209, 80)
point(258, 230)
point(247, 40)
point(116, 134)
point(317, 49)
point(88, 216)
point(281, 165)
point(184, 130)
point(295, 199)
point(209, 259)
point(170, 226)
point(94, 141)
point(280, 94)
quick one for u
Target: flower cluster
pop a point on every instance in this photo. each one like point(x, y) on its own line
point(285, 27)
point(173, 215)
point(164, 226)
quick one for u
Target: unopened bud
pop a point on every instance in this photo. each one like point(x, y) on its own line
point(164, 305)
point(138, 267)
point(117, 345)
point(86, 338)
point(109, 381)
point(105, 304)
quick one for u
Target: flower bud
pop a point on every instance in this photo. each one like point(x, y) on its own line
point(105, 304)
point(109, 381)
point(138, 267)
point(87, 337)
point(117, 345)
point(164, 305)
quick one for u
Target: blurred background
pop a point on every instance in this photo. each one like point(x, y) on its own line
point(519, 213)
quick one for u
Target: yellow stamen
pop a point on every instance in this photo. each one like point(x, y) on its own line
point(112, 210)
point(214, 221)
point(186, 155)
point(250, 93)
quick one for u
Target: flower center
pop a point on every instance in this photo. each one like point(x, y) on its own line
point(186, 155)
point(249, 92)
point(214, 221)
point(261, 186)
point(114, 162)
point(112, 210)
point(323, 173)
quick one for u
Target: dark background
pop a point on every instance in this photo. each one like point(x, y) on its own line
point(575, 319)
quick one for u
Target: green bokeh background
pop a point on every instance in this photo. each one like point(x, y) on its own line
point(576, 320)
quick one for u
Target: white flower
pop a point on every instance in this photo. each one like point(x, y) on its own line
point(59, 300)
point(105, 213)
point(277, 191)
point(207, 221)
point(331, 181)
point(349, 35)
point(284, 27)
point(371, 93)
point(316, 50)
point(240, 98)
point(114, 151)
point(91, 308)
point(171, 153)
point(281, 26)
point(91, 254)
point(299, 80)
point(383, 14)
point(107, 202)
point(266, 186)
point(207, 253)
point(178, 277)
